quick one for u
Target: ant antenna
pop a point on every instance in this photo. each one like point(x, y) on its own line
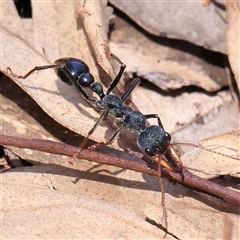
point(205, 149)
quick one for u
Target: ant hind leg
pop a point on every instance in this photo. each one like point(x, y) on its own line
point(37, 68)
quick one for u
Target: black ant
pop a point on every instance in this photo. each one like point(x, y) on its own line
point(154, 141)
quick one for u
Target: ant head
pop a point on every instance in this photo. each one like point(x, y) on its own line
point(154, 140)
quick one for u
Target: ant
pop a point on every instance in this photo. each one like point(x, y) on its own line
point(153, 141)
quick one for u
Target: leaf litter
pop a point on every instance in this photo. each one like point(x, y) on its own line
point(93, 182)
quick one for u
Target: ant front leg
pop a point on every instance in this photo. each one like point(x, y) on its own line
point(159, 170)
point(112, 139)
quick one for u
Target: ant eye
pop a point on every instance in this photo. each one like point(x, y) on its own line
point(149, 152)
point(168, 136)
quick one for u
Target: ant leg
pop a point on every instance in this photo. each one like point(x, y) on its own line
point(81, 147)
point(119, 75)
point(173, 162)
point(103, 115)
point(160, 122)
point(130, 89)
point(37, 68)
point(111, 140)
point(155, 116)
point(162, 188)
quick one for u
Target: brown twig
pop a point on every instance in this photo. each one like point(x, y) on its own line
point(185, 178)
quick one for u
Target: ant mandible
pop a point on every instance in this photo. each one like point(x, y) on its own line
point(153, 141)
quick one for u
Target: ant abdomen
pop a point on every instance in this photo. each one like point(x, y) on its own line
point(78, 69)
point(74, 71)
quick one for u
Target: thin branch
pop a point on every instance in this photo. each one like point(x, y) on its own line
point(185, 178)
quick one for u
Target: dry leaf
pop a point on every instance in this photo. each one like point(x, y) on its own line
point(95, 17)
point(167, 64)
point(87, 189)
point(60, 101)
point(212, 123)
point(115, 198)
point(188, 20)
point(68, 201)
point(48, 213)
point(209, 165)
point(233, 33)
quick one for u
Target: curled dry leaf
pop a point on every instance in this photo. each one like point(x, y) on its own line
point(95, 17)
point(169, 65)
point(188, 20)
point(233, 33)
point(187, 215)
